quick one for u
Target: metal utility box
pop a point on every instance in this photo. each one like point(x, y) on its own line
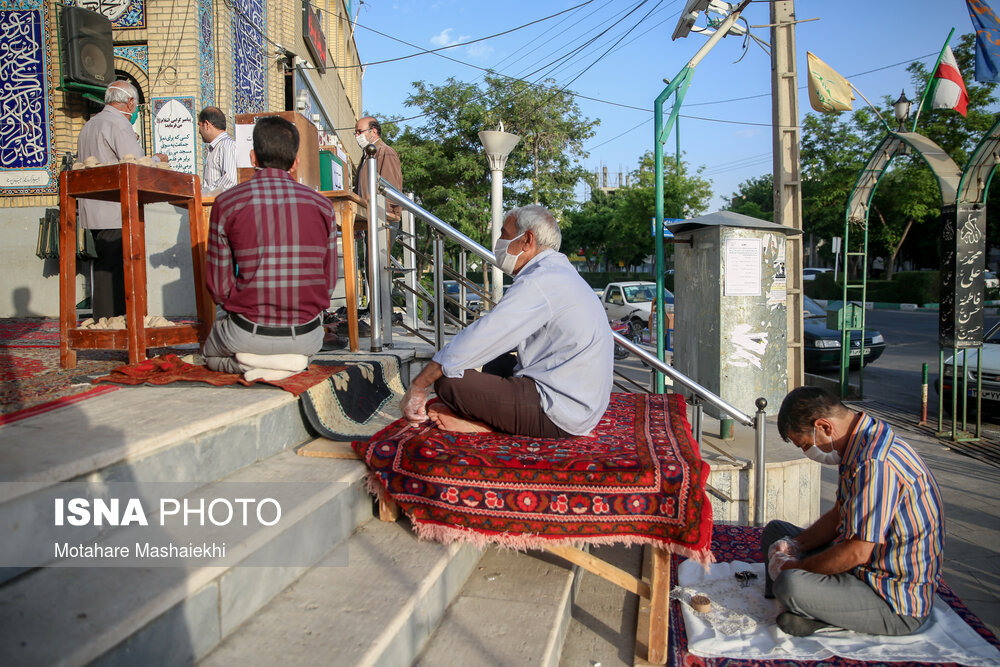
point(729, 302)
point(844, 317)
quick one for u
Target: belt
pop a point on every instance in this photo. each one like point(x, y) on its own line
point(260, 330)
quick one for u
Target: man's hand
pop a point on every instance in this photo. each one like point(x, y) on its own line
point(785, 545)
point(412, 405)
point(780, 561)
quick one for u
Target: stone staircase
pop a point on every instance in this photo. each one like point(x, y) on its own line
point(330, 585)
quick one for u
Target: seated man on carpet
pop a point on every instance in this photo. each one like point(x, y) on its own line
point(272, 263)
point(870, 564)
point(561, 383)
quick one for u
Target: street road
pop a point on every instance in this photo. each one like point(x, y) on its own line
point(911, 340)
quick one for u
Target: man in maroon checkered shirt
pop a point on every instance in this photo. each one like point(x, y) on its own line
point(272, 258)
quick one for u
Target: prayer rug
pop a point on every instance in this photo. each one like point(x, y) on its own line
point(359, 401)
point(742, 543)
point(29, 332)
point(169, 368)
point(31, 378)
point(638, 478)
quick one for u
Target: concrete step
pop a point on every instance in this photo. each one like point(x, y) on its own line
point(188, 436)
point(514, 610)
point(174, 615)
point(378, 609)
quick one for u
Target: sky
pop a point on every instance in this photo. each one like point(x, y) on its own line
point(726, 118)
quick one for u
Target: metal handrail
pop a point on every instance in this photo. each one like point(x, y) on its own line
point(450, 232)
point(756, 422)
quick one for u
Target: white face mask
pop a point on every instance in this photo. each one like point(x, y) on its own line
point(830, 458)
point(362, 139)
point(506, 261)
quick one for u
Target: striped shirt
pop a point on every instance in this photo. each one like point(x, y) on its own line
point(220, 165)
point(888, 496)
point(282, 236)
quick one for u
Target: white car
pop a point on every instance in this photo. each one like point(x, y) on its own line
point(990, 375)
point(990, 280)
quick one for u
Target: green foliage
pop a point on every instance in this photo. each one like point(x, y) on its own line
point(442, 158)
point(616, 225)
point(755, 198)
point(919, 287)
point(904, 220)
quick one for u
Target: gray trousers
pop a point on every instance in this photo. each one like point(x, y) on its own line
point(841, 600)
point(226, 339)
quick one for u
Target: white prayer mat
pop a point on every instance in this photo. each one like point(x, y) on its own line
point(741, 624)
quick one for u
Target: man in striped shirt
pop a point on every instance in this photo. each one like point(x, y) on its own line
point(220, 154)
point(870, 564)
point(272, 259)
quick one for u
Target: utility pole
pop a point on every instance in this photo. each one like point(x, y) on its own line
point(787, 171)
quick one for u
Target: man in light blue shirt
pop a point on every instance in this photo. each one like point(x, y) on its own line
point(561, 383)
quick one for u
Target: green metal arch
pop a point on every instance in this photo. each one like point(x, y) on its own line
point(978, 173)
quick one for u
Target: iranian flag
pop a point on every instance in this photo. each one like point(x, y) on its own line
point(947, 87)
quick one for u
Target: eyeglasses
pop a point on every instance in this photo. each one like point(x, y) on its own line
point(357, 132)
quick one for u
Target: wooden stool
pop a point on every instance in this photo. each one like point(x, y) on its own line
point(347, 206)
point(133, 185)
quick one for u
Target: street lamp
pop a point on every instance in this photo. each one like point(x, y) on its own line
point(901, 109)
point(498, 145)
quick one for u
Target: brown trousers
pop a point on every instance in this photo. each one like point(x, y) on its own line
point(507, 404)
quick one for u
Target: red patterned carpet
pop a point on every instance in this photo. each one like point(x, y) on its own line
point(31, 380)
point(638, 479)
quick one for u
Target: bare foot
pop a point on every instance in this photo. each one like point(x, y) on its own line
point(446, 420)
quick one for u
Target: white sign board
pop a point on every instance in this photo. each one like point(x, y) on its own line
point(174, 132)
point(743, 267)
point(244, 144)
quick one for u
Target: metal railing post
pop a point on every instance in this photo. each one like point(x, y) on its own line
point(385, 273)
point(697, 418)
point(410, 278)
point(463, 316)
point(438, 291)
point(374, 292)
point(759, 471)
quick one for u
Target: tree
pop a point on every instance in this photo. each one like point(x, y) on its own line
point(755, 198)
point(835, 148)
point(442, 158)
point(618, 222)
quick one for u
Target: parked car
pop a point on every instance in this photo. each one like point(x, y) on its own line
point(990, 375)
point(634, 300)
point(810, 272)
point(452, 290)
point(821, 346)
point(990, 280)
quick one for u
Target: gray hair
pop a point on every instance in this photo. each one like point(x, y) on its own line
point(539, 220)
point(121, 92)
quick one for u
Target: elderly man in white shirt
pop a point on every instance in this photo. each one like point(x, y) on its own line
point(561, 383)
point(220, 154)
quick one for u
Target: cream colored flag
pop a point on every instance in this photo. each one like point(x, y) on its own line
point(828, 91)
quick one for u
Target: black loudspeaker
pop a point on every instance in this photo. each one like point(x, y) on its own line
point(87, 47)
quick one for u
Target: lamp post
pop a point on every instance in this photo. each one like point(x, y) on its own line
point(498, 145)
point(901, 110)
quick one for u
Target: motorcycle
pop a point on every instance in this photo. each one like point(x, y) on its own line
point(624, 327)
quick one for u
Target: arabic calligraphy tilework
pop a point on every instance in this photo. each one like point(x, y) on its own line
point(248, 56)
point(136, 54)
point(123, 14)
point(174, 131)
point(205, 33)
point(27, 162)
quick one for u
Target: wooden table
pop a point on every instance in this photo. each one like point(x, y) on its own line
point(349, 206)
point(133, 185)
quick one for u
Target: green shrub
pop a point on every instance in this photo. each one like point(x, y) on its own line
point(919, 287)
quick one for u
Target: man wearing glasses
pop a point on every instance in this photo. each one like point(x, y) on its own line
point(368, 131)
